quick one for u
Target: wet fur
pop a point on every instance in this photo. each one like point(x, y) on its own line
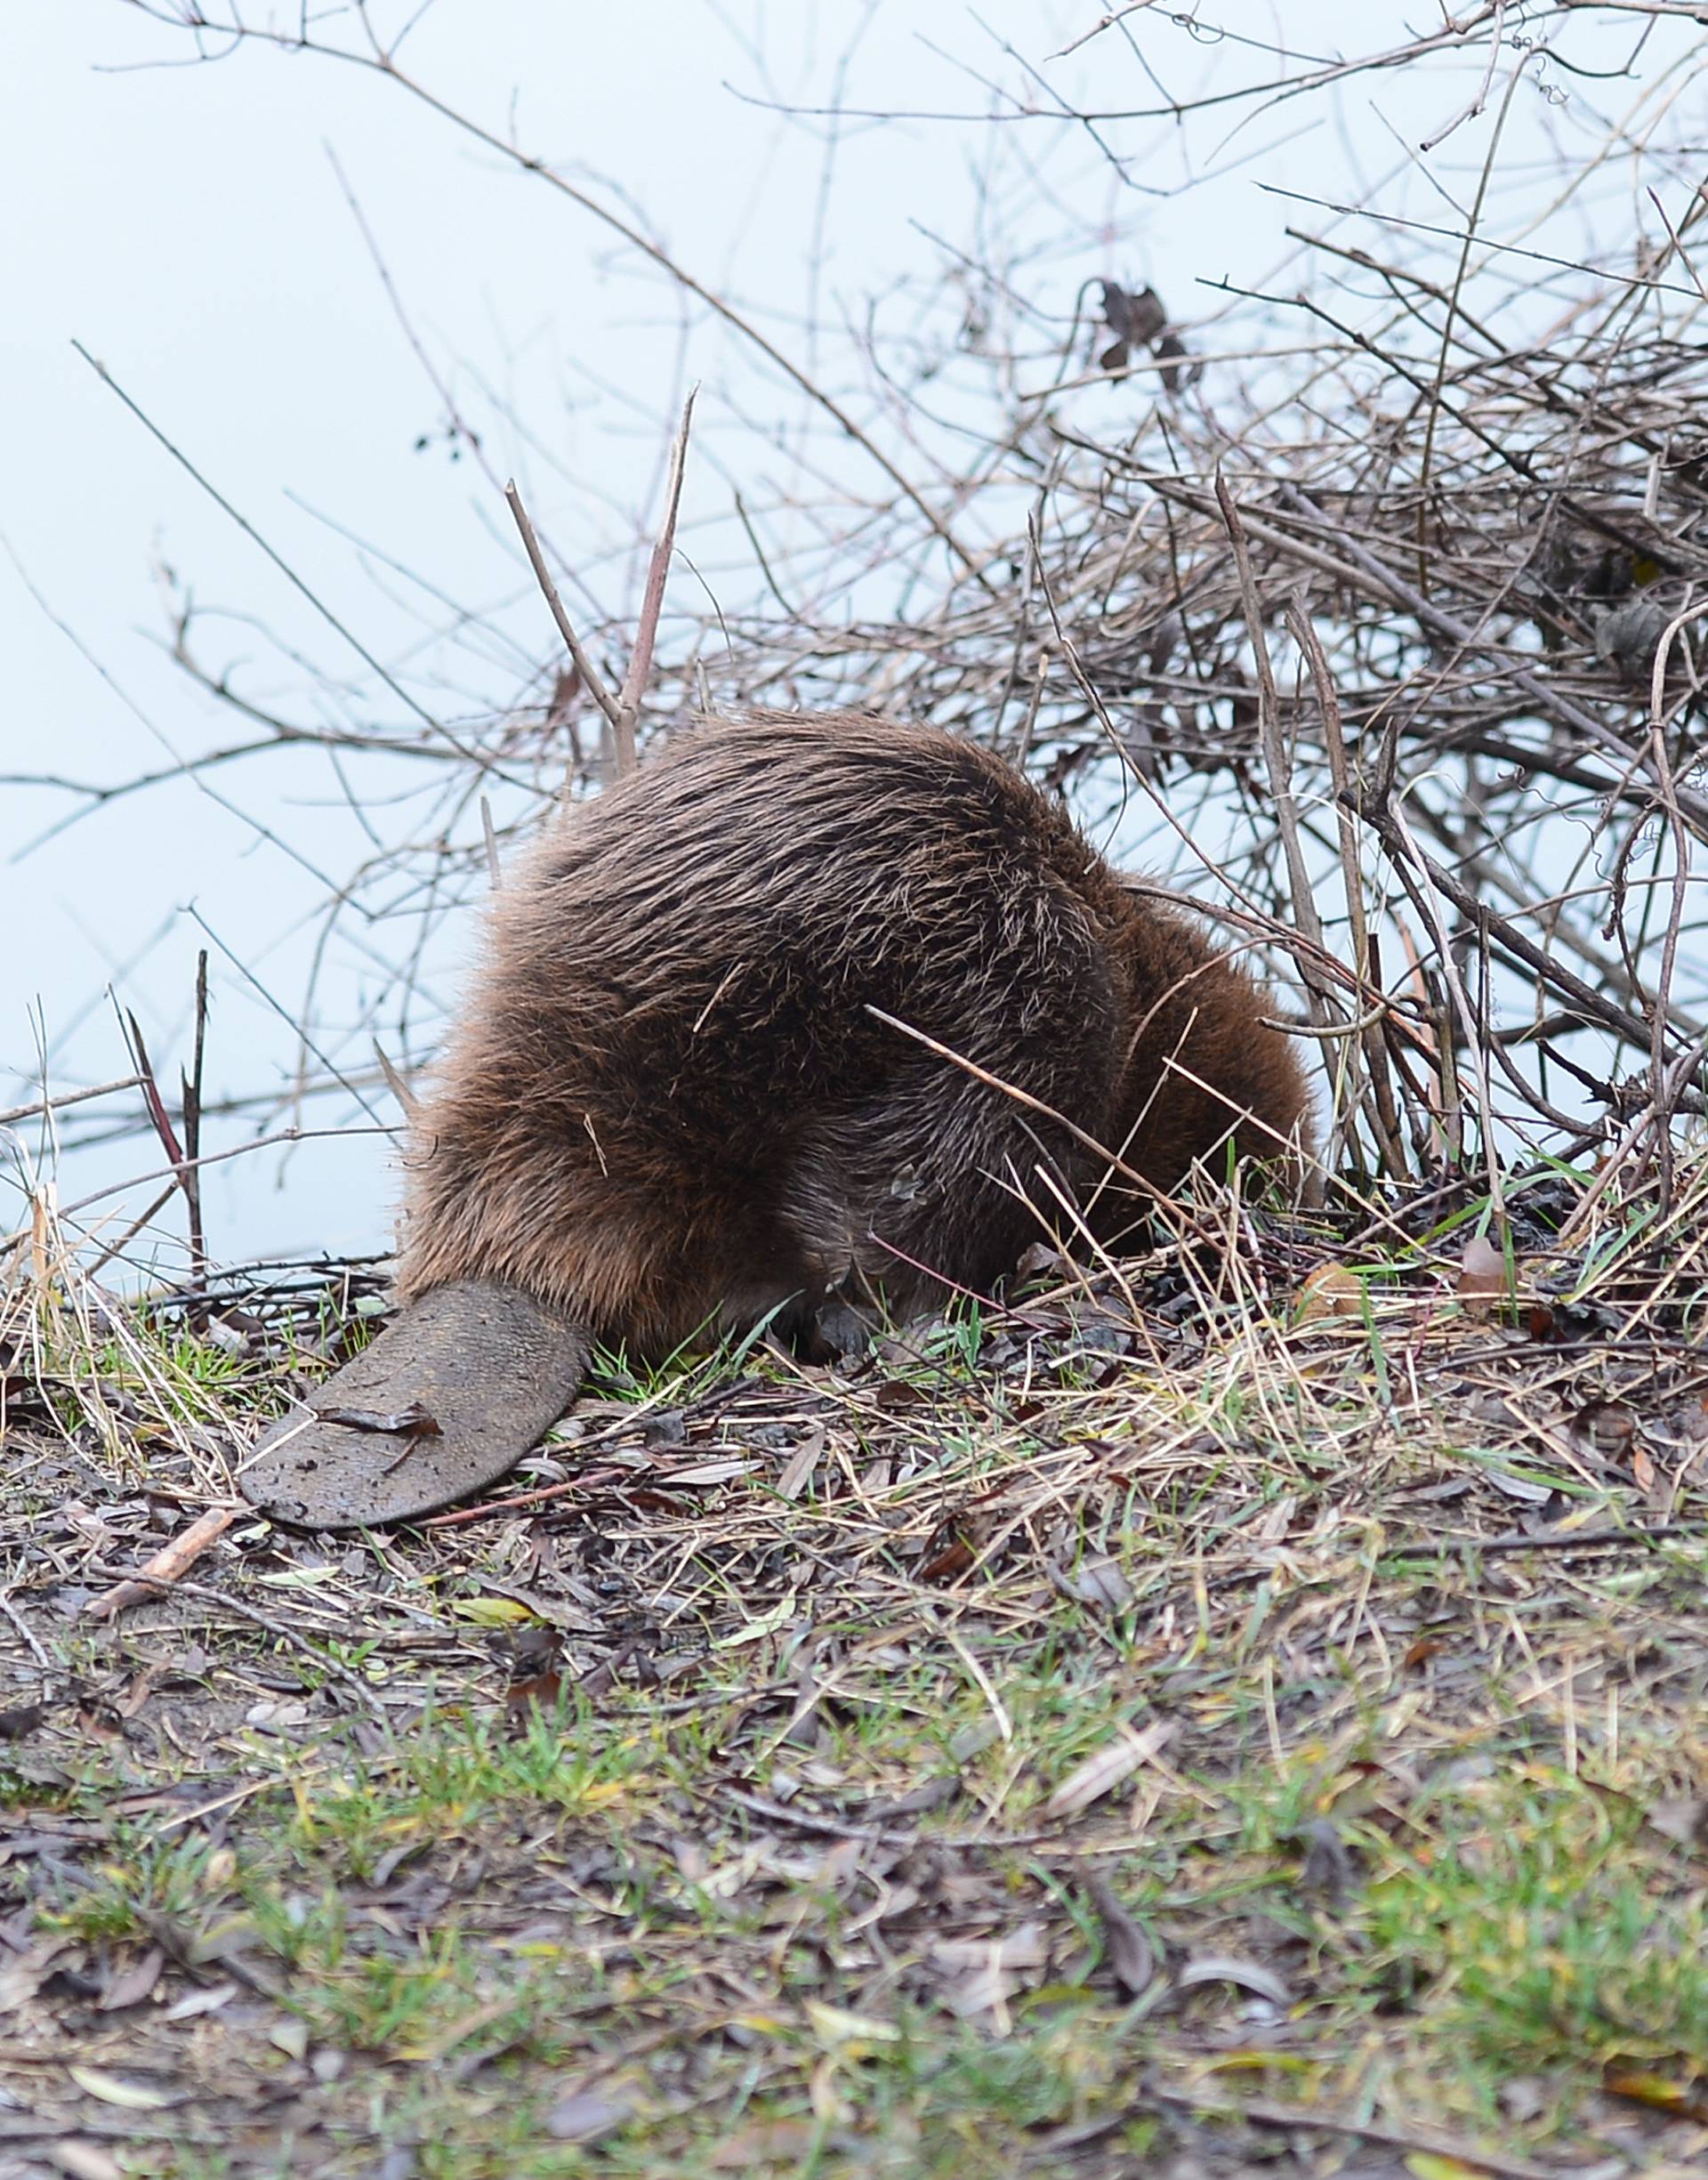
point(667, 1103)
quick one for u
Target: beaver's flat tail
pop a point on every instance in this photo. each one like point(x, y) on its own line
point(447, 1400)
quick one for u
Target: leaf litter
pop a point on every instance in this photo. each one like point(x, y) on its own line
point(1056, 1679)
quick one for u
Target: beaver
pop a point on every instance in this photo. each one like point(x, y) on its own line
point(808, 1013)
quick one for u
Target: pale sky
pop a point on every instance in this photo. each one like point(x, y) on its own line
point(189, 226)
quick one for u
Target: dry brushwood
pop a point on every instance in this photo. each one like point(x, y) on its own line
point(811, 1013)
point(1378, 591)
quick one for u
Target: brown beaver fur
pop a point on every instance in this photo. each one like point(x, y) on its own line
point(669, 1102)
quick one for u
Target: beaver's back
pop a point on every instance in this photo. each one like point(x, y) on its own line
point(670, 1095)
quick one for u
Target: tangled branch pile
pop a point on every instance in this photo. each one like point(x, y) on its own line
point(1396, 632)
point(1427, 629)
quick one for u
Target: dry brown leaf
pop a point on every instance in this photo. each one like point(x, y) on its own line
point(1131, 1957)
point(834, 2026)
point(1023, 1947)
point(22, 1978)
point(129, 1986)
point(803, 1461)
point(1607, 1428)
point(1331, 1290)
point(983, 1973)
point(411, 1422)
point(700, 1472)
point(784, 2143)
point(1528, 1490)
point(1231, 1969)
point(1681, 1818)
point(584, 2115)
point(1095, 1582)
point(85, 2160)
point(1105, 1767)
point(431, 2049)
point(1327, 1868)
point(207, 1998)
point(1482, 1275)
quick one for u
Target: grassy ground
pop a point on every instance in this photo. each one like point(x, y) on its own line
point(1245, 1715)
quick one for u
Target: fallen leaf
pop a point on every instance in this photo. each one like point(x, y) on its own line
point(411, 1422)
point(1131, 1957)
point(227, 1939)
point(948, 1562)
point(933, 1794)
point(22, 1979)
point(1331, 1290)
point(764, 1623)
point(276, 1715)
point(983, 1973)
point(1482, 1274)
point(803, 1461)
point(1528, 1490)
point(492, 1611)
point(1261, 2059)
point(1231, 1969)
point(1681, 1818)
point(972, 1741)
point(431, 2049)
point(84, 2160)
point(710, 1472)
point(1607, 1428)
point(207, 2000)
point(1525, 2097)
point(784, 2143)
point(130, 1986)
point(1688, 2099)
point(128, 2095)
point(1096, 1582)
point(834, 2026)
point(1104, 1770)
point(1327, 1866)
point(587, 2114)
point(541, 1691)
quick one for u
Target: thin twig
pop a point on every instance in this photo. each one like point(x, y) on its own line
point(591, 680)
point(191, 1086)
point(634, 681)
